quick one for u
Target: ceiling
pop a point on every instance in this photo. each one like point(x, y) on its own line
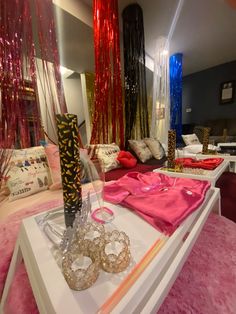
point(205, 33)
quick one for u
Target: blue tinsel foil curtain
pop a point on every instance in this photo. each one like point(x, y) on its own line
point(136, 109)
point(176, 74)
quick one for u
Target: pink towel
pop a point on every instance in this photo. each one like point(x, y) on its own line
point(161, 200)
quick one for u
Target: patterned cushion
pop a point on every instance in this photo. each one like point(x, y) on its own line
point(141, 150)
point(107, 154)
point(190, 139)
point(29, 172)
point(155, 147)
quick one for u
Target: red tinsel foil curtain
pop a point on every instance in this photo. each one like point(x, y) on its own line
point(108, 124)
point(16, 65)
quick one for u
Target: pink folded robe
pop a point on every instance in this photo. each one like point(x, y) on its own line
point(161, 200)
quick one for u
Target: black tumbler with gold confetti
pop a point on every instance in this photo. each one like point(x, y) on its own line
point(171, 149)
point(205, 140)
point(68, 141)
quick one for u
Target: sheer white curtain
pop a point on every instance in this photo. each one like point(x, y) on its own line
point(161, 102)
point(48, 98)
point(161, 99)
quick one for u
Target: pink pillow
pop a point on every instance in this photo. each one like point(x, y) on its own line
point(52, 153)
point(53, 157)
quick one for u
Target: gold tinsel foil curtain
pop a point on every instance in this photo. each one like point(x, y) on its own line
point(136, 108)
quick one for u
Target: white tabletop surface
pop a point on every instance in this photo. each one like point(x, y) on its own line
point(53, 294)
point(226, 144)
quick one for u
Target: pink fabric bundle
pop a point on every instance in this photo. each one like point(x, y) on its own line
point(161, 200)
point(208, 163)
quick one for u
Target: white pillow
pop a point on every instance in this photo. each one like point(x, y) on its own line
point(155, 147)
point(141, 150)
point(190, 139)
point(197, 148)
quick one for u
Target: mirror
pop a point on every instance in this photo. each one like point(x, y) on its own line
point(204, 33)
point(75, 43)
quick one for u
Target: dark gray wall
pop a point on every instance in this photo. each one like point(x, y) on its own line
point(201, 93)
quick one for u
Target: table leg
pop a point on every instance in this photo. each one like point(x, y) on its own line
point(15, 261)
point(219, 205)
point(232, 166)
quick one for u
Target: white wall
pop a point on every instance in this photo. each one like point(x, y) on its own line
point(72, 86)
point(73, 96)
point(78, 9)
point(74, 101)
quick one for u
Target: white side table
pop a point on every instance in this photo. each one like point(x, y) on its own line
point(232, 144)
point(227, 157)
point(209, 175)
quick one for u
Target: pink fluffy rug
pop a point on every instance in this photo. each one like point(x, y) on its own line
point(20, 298)
point(206, 284)
point(8, 234)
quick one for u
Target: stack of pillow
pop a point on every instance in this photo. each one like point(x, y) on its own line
point(147, 149)
point(193, 145)
point(38, 168)
point(112, 157)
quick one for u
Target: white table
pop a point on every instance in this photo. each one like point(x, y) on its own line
point(230, 158)
point(233, 144)
point(147, 293)
point(209, 175)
